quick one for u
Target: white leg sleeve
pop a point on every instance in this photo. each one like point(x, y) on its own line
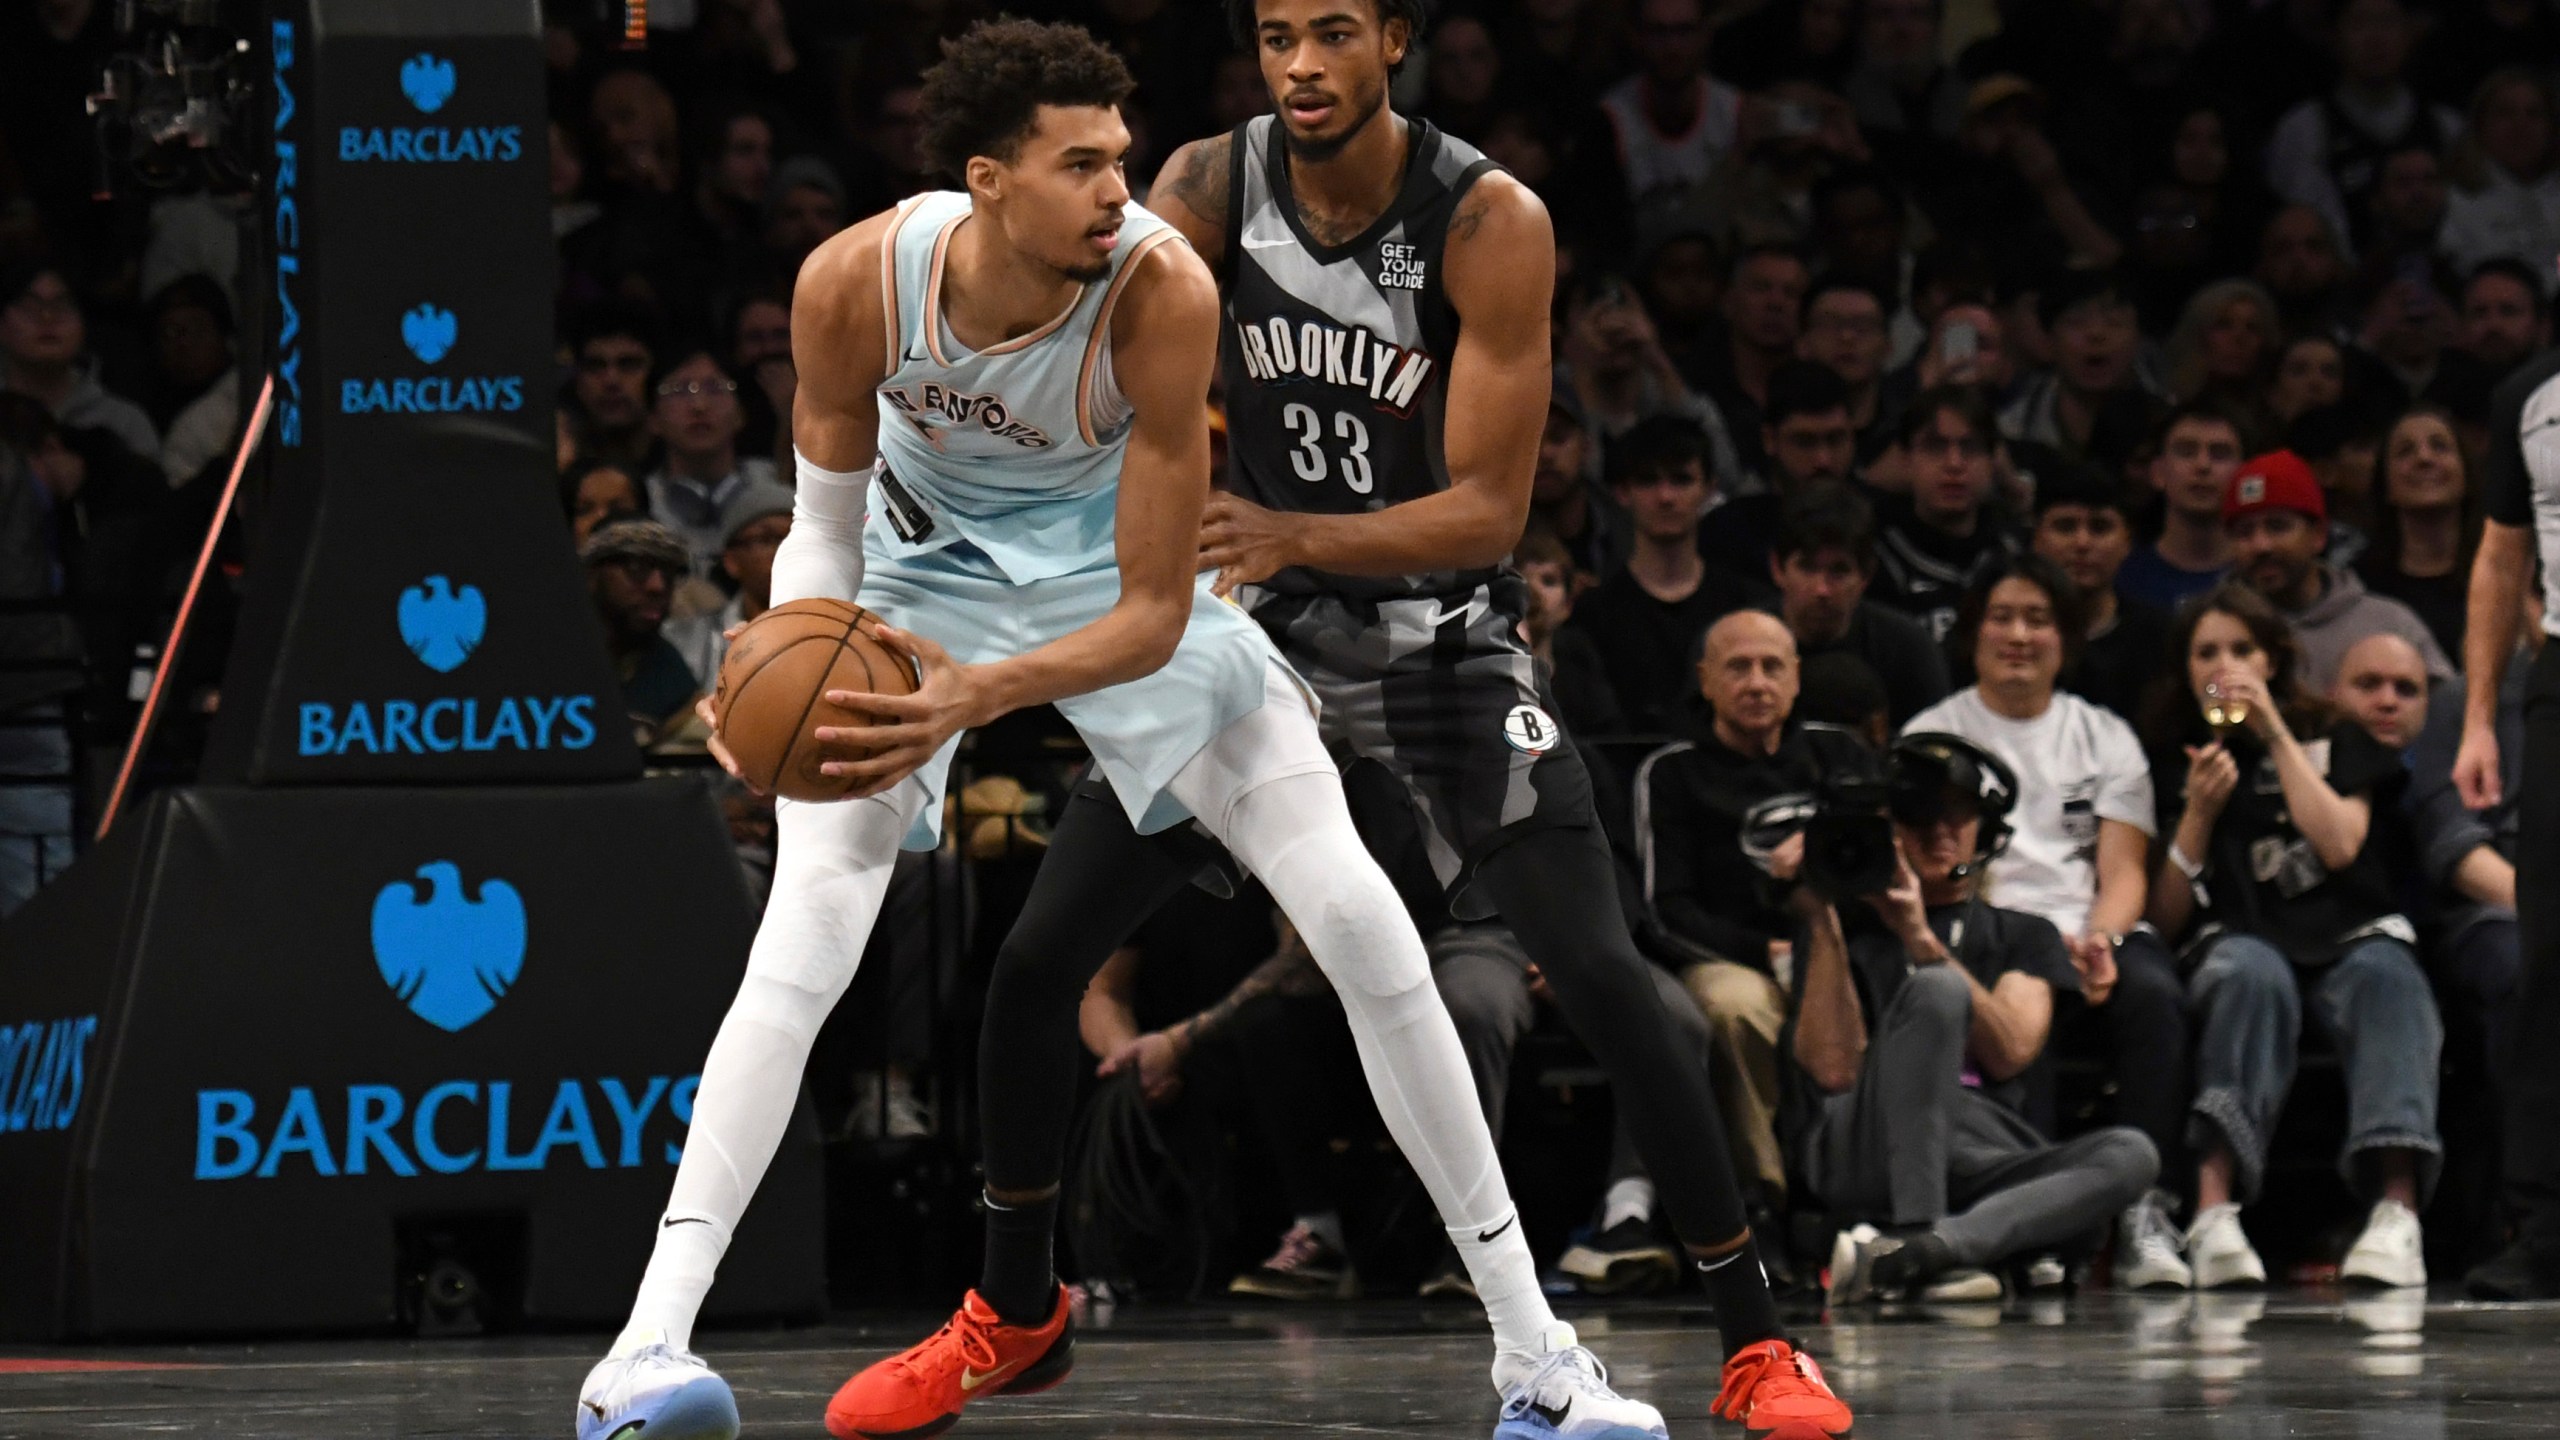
point(831, 872)
point(1266, 788)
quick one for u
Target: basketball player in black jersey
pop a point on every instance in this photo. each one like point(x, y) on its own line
point(1387, 368)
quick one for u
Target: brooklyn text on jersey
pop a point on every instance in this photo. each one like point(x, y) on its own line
point(1277, 352)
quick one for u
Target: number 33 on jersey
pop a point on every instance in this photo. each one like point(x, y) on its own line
point(1336, 356)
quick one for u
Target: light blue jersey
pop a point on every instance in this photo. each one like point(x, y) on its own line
point(992, 507)
point(1016, 448)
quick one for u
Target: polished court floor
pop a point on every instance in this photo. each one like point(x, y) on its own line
point(2300, 1366)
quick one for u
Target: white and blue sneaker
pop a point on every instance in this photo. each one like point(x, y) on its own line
point(654, 1391)
point(1565, 1395)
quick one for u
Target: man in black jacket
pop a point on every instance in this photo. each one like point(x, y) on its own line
point(1721, 912)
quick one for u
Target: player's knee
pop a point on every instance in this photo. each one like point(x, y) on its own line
point(1362, 939)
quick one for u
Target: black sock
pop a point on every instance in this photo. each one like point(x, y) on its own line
point(1923, 1257)
point(1745, 1313)
point(1018, 1280)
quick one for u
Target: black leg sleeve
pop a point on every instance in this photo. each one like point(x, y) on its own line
point(1098, 884)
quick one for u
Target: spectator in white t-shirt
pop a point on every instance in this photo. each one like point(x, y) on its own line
point(2078, 856)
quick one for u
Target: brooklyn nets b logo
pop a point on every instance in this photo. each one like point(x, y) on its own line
point(1529, 730)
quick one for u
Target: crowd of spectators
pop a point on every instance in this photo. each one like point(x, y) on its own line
point(2099, 382)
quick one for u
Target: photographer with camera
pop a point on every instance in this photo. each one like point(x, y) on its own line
point(1918, 1032)
point(2080, 838)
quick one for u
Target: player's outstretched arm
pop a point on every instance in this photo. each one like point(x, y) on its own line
point(1499, 271)
point(1164, 345)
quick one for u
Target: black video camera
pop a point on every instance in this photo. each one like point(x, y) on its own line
point(1847, 819)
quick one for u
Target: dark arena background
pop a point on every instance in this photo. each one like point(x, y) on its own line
point(396, 407)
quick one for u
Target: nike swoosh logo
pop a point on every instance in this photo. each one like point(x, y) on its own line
point(674, 1220)
point(633, 1427)
point(1487, 1237)
point(1553, 1415)
point(970, 1379)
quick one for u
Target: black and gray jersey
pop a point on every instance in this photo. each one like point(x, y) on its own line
point(1336, 357)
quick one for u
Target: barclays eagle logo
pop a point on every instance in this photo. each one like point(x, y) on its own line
point(429, 332)
point(427, 81)
point(442, 626)
point(450, 959)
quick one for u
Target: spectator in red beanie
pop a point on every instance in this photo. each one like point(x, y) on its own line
point(2278, 522)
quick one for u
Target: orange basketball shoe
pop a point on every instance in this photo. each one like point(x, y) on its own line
point(1776, 1392)
point(921, 1391)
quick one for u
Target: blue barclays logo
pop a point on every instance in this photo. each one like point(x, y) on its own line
point(333, 1131)
point(449, 958)
point(441, 625)
point(429, 332)
point(448, 726)
point(287, 222)
point(427, 81)
point(44, 1068)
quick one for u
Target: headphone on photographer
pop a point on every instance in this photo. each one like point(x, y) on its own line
point(1925, 764)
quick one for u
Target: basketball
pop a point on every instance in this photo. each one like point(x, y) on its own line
point(773, 686)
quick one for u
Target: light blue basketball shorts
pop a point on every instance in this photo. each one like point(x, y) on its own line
point(1142, 732)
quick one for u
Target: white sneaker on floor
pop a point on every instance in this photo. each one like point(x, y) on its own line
point(2046, 1275)
point(1967, 1286)
point(2147, 1244)
point(1853, 1261)
point(2391, 1252)
point(657, 1390)
point(2219, 1253)
point(1565, 1395)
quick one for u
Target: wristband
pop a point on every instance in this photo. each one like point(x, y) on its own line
point(2186, 865)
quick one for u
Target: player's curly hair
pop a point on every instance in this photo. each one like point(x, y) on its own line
point(982, 98)
point(1416, 14)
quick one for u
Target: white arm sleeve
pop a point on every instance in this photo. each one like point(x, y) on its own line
point(822, 556)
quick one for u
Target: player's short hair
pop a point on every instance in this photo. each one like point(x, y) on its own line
point(1416, 15)
point(1827, 515)
point(986, 94)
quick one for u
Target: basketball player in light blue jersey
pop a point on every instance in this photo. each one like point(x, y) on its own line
point(1003, 432)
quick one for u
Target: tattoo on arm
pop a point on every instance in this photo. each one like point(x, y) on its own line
point(1470, 216)
point(1202, 185)
point(1290, 972)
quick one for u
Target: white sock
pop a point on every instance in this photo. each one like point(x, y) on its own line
point(1628, 1199)
point(1295, 834)
point(831, 871)
point(1328, 1228)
